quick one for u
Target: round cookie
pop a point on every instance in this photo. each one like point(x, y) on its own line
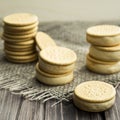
point(20, 33)
point(58, 55)
point(22, 61)
point(50, 79)
point(105, 68)
point(15, 40)
point(104, 35)
point(13, 46)
point(20, 19)
point(95, 91)
point(104, 41)
point(109, 49)
point(21, 58)
point(25, 36)
point(103, 55)
point(14, 53)
point(55, 69)
point(94, 96)
point(20, 28)
point(19, 50)
point(28, 42)
point(104, 30)
point(93, 107)
point(43, 40)
point(99, 61)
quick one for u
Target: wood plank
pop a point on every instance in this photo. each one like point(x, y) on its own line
point(31, 111)
point(114, 112)
point(53, 112)
point(68, 111)
point(14, 107)
point(39, 111)
point(2, 97)
point(9, 105)
point(97, 116)
point(82, 115)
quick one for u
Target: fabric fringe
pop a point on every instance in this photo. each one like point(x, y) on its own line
point(31, 93)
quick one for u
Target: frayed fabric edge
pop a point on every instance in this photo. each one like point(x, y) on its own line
point(31, 93)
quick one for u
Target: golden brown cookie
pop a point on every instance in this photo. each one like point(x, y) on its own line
point(93, 107)
point(21, 61)
point(28, 42)
point(103, 35)
point(20, 33)
point(94, 96)
point(103, 67)
point(99, 61)
point(104, 30)
point(13, 46)
point(20, 28)
point(20, 19)
point(21, 53)
point(55, 69)
point(25, 36)
point(43, 40)
point(19, 50)
point(51, 79)
point(103, 55)
point(58, 55)
point(15, 40)
point(21, 58)
point(109, 49)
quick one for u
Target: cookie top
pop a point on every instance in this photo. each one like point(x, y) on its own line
point(58, 55)
point(95, 91)
point(103, 30)
point(43, 40)
point(20, 19)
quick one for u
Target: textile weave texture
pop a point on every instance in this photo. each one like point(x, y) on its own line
point(20, 78)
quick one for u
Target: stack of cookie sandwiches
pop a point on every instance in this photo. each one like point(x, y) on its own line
point(104, 52)
point(94, 96)
point(56, 64)
point(18, 35)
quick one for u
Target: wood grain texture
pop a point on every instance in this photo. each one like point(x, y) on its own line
point(9, 105)
point(114, 113)
point(13, 107)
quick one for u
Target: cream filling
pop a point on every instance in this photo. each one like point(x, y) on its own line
point(53, 79)
point(103, 68)
point(104, 41)
point(104, 55)
point(55, 69)
point(93, 106)
point(99, 61)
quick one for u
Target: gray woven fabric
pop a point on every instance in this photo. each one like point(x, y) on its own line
point(20, 78)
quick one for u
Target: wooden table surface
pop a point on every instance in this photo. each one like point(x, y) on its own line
point(14, 107)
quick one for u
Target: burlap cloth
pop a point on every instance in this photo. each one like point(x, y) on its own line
point(20, 78)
